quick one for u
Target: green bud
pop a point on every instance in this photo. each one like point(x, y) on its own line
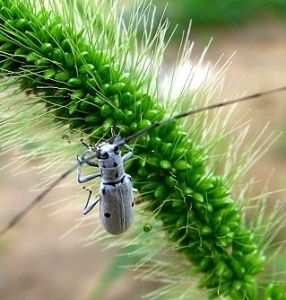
point(147, 227)
point(150, 186)
point(65, 45)
point(99, 101)
point(204, 264)
point(69, 59)
point(6, 12)
point(92, 119)
point(104, 72)
point(181, 165)
point(31, 57)
point(154, 160)
point(198, 197)
point(42, 62)
point(87, 68)
point(106, 110)
point(143, 124)
point(46, 48)
point(170, 181)
point(146, 103)
point(209, 207)
point(20, 52)
point(178, 152)
point(166, 150)
point(181, 222)
point(73, 107)
point(107, 124)
point(133, 127)
point(160, 192)
point(57, 55)
point(63, 76)
point(57, 32)
point(21, 24)
point(77, 94)
point(165, 165)
point(75, 82)
point(206, 230)
point(127, 100)
point(223, 230)
point(155, 143)
point(151, 114)
point(221, 202)
point(142, 172)
point(238, 268)
point(251, 290)
point(116, 88)
point(187, 191)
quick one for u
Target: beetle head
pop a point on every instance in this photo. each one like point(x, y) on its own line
point(108, 155)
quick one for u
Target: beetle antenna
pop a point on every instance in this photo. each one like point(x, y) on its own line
point(195, 111)
point(123, 141)
point(112, 130)
point(85, 144)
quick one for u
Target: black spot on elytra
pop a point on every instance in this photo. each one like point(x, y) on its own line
point(116, 174)
point(103, 191)
point(132, 204)
point(115, 164)
point(107, 215)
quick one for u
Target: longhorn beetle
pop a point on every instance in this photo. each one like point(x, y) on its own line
point(116, 192)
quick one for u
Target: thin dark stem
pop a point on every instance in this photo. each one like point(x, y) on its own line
point(39, 198)
point(198, 110)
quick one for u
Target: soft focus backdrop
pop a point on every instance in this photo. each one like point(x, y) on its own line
point(36, 264)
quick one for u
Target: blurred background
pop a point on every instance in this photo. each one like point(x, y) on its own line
point(36, 264)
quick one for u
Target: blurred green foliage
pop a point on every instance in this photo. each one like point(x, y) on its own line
point(220, 12)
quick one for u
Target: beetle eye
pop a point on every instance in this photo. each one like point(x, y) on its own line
point(116, 149)
point(104, 155)
point(101, 154)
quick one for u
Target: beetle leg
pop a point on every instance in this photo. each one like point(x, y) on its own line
point(91, 163)
point(87, 178)
point(127, 156)
point(88, 207)
point(84, 178)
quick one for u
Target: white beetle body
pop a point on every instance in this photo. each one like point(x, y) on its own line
point(116, 206)
point(116, 197)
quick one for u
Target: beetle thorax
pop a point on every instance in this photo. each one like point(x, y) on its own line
point(110, 163)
